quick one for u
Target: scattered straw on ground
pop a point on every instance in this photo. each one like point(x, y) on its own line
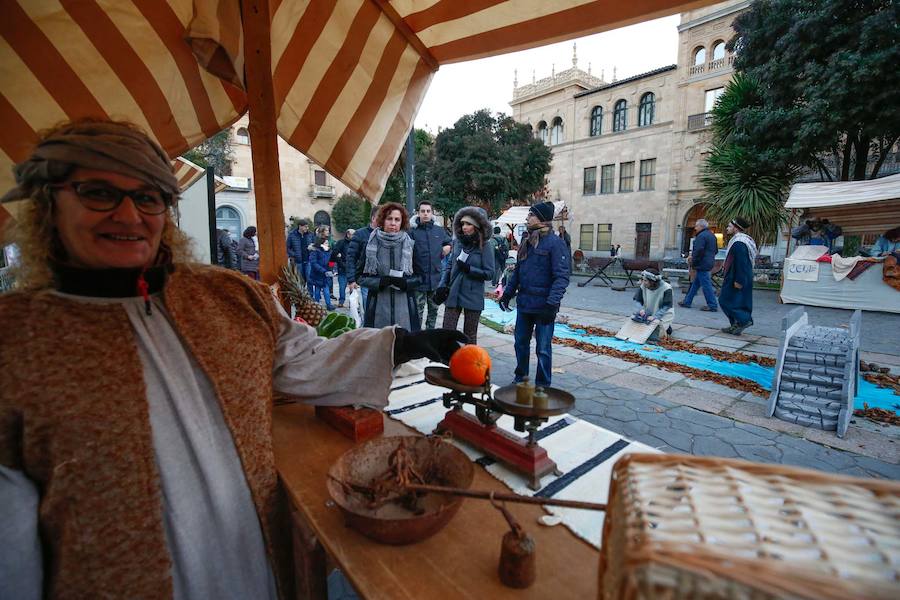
point(670, 344)
point(881, 415)
point(736, 383)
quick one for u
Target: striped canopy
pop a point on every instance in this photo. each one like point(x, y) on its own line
point(347, 75)
point(188, 173)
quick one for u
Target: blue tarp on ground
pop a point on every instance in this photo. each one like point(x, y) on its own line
point(868, 393)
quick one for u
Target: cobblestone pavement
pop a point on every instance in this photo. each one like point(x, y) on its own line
point(675, 414)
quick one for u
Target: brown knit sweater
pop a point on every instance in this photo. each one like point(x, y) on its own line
point(74, 418)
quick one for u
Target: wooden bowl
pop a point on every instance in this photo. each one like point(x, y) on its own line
point(391, 523)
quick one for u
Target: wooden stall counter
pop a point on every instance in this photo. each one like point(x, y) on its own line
point(460, 561)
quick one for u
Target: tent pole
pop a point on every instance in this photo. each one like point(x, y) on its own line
point(264, 138)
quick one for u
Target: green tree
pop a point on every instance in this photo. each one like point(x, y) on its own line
point(395, 187)
point(215, 151)
point(738, 179)
point(829, 70)
point(488, 161)
point(349, 212)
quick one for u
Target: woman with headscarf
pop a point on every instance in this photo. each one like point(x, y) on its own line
point(653, 304)
point(471, 264)
point(388, 271)
point(248, 255)
point(135, 459)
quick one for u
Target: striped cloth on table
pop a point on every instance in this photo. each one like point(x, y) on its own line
point(584, 453)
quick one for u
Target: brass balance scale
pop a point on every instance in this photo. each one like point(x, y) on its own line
point(525, 456)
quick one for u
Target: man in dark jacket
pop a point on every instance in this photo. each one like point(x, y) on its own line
point(356, 254)
point(540, 280)
point(339, 258)
point(225, 249)
point(298, 242)
point(703, 258)
point(501, 253)
point(431, 245)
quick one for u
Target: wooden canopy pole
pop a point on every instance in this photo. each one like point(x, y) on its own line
point(264, 138)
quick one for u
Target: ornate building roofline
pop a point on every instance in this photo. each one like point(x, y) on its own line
point(627, 80)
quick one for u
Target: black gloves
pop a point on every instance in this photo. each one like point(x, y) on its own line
point(436, 344)
point(440, 295)
point(463, 266)
point(547, 314)
point(503, 302)
point(397, 282)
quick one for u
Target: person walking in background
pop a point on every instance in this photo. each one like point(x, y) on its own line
point(501, 253)
point(431, 244)
point(612, 251)
point(568, 240)
point(702, 260)
point(539, 279)
point(319, 271)
point(388, 271)
point(339, 258)
point(298, 242)
point(248, 255)
point(471, 264)
point(736, 296)
point(356, 254)
point(225, 251)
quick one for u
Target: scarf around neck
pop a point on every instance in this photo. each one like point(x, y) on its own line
point(740, 236)
point(388, 241)
point(534, 235)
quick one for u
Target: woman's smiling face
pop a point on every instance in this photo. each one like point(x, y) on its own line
point(120, 238)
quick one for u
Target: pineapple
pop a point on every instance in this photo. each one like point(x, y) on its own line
point(293, 288)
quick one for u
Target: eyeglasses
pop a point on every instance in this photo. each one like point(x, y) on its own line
point(100, 196)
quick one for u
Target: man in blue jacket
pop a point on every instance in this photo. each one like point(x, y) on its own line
point(356, 254)
point(298, 243)
point(540, 280)
point(432, 243)
point(703, 258)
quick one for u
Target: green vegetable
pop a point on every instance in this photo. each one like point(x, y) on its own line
point(326, 322)
point(335, 324)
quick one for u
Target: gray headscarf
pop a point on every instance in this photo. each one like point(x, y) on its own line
point(101, 145)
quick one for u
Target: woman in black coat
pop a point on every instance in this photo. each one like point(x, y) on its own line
point(388, 272)
point(471, 264)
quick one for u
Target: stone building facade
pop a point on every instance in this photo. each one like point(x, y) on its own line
point(627, 153)
point(308, 190)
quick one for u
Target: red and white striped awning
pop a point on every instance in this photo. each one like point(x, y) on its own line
point(188, 173)
point(348, 75)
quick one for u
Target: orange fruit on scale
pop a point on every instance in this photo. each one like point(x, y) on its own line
point(470, 365)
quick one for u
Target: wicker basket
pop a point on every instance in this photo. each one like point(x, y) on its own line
point(691, 527)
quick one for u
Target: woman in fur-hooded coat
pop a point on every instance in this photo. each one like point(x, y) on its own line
point(471, 265)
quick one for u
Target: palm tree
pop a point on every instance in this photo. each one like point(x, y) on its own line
point(739, 182)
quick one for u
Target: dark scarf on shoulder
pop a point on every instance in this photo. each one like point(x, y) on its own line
point(531, 239)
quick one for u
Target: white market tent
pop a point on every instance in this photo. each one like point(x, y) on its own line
point(517, 215)
point(862, 208)
point(842, 193)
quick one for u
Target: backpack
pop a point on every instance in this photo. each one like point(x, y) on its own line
point(501, 249)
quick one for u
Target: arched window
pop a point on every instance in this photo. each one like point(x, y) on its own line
point(596, 120)
point(556, 131)
point(699, 55)
point(321, 218)
point(718, 50)
point(542, 131)
point(645, 113)
point(229, 218)
point(242, 136)
point(619, 115)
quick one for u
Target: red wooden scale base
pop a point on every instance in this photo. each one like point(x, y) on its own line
point(525, 457)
